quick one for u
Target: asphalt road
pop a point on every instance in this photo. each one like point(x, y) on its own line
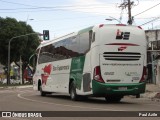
point(29, 100)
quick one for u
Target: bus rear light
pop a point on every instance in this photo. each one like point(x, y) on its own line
point(120, 25)
point(101, 25)
point(97, 74)
point(144, 74)
point(139, 27)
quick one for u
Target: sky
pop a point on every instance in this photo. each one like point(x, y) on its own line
point(61, 17)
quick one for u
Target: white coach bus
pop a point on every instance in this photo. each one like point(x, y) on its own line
point(103, 61)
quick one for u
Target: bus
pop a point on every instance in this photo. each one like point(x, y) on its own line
point(101, 61)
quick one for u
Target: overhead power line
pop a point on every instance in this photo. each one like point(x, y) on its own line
point(54, 10)
point(151, 21)
point(52, 7)
point(147, 9)
point(57, 7)
point(35, 6)
point(17, 3)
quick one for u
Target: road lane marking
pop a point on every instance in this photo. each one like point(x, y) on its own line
point(75, 106)
point(82, 107)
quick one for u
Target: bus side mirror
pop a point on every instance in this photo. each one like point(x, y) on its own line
point(33, 62)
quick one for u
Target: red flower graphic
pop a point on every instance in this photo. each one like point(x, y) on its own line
point(47, 71)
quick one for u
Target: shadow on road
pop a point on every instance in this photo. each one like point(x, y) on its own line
point(94, 100)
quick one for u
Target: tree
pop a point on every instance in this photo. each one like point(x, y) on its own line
point(22, 46)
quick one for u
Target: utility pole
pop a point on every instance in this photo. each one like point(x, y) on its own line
point(9, 44)
point(129, 13)
point(124, 5)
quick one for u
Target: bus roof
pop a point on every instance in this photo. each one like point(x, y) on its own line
point(44, 43)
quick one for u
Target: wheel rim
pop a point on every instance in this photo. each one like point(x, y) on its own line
point(72, 94)
point(40, 88)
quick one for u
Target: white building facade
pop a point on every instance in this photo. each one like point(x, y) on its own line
point(153, 39)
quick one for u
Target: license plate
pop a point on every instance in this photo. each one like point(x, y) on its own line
point(122, 88)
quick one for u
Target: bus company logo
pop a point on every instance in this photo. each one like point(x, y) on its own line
point(122, 48)
point(77, 61)
point(59, 68)
point(46, 73)
point(122, 35)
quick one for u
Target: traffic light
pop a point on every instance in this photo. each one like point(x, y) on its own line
point(45, 34)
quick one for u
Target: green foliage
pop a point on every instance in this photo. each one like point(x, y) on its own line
point(22, 46)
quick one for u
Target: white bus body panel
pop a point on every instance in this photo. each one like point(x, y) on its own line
point(121, 70)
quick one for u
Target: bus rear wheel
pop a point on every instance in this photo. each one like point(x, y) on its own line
point(73, 93)
point(113, 99)
point(42, 92)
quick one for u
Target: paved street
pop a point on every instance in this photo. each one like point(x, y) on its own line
point(25, 99)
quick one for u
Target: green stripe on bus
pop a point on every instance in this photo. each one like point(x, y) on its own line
point(113, 89)
point(76, 72)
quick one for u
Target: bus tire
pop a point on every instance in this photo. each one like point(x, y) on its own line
point(113, 99)
point(39, 85)
point(138, 96)
point(42, 92)
point(73, 93)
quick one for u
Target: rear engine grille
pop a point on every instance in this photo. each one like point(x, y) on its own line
point(122, 56)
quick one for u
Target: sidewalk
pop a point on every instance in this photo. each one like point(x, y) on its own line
point(152, 92)
point(14, 87)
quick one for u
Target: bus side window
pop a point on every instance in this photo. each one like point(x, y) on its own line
point(33, 61)
point(84, 43)
point(46, 54)
point(90, 37)
point(73, 47)
point(93, 36)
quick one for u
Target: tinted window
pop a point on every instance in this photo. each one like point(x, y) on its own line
point(73, 47)
point(46, 54)
point(93, 37)
point(84, 42)
point(70, 47)
point(60, 50)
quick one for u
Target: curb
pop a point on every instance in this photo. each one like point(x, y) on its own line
point(154, 96)
point(149, 94)
point(14, 87)
point(27, 86)
point(152, 92)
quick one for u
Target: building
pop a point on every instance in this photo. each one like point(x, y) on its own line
point(2, 73)
point(153, 55)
